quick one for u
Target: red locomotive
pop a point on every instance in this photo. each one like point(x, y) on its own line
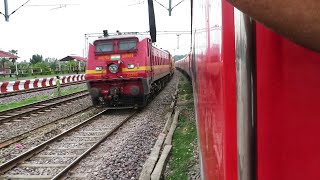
point(126, 70)
point(256, 98)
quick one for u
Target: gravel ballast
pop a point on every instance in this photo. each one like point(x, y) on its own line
point(122, 155)
point(44, 133)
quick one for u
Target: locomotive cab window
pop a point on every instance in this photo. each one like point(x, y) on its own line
point(127, 45)
point(104, 47)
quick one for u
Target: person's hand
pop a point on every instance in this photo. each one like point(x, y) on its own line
point(296, 20)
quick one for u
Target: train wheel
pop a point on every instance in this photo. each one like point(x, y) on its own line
point(160, 86)
point(145, 100)
point(95, 101)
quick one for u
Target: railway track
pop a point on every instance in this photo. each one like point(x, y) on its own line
point(55, 157)
point(14, 93)
point(7, 142)
point(24, 112)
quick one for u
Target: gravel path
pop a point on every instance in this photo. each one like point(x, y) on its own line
point(20, 97)
point(123, 154)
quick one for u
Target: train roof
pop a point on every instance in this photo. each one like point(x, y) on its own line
point(123, 36)
point(140, 36)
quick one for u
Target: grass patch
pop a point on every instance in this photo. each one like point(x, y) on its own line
point(23, 102)
point(184, 137)
point(77, 89)
point(185, 90)
point(182, 152)
point(38, 98)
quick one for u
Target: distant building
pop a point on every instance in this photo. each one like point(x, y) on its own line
point(6, 67)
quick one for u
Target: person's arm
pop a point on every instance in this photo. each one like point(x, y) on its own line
point(298, 20)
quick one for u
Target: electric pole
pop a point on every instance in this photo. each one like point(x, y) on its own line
point(6, 12)
point(170, 5)
point(170, 8)
point(178, 40)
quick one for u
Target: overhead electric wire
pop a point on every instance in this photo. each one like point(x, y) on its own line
point(50, 4)
point(177, 4)
point(19, 8)
point(140, 2)
point(169, 7)
point(161, 4)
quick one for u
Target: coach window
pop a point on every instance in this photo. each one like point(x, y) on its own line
point(104, 46)
point(127, 45)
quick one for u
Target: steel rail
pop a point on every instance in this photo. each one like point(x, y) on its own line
point(24, 135)
point(14, 93)
point(6, 117)
point(83, 155)
point(33, 152)
point(27, 155)
point(38, 102)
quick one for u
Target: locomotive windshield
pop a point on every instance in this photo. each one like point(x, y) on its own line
point(127, 45)
point(104, 46)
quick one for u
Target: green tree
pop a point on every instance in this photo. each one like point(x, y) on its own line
point(36, 59)
point(3, 61)
point(53, 62)
point(24, 67)
point(14, 52)
point(44, 66)
point(69, 66)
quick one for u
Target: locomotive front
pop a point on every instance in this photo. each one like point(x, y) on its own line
point(117, 71)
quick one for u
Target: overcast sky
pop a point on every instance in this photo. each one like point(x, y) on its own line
point(60, 32)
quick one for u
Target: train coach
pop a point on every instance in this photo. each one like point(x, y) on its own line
point(256, 98)
point(126, 70)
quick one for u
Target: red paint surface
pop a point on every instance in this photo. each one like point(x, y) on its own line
point(35, 83)
point(51, 81)
point(229, 101)
point(138, 57)
point(26, 84)
point(214, 81)
point(156, 58)
point(150, 64)
point(288, 86)
point(43, 82)
point(68, 79)
point(63, 80)
point(4, 87)
point(16, 85)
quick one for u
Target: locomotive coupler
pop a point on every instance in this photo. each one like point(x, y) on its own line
point(116, 97)
point(114, 92)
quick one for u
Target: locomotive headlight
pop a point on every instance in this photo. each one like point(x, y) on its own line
point(98, 68)
point(130, 66)
point(113, 68)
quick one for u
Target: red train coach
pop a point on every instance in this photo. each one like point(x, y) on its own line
point(256, 98)
point(126, 70)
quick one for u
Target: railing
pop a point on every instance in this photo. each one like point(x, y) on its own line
point(39, 71)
